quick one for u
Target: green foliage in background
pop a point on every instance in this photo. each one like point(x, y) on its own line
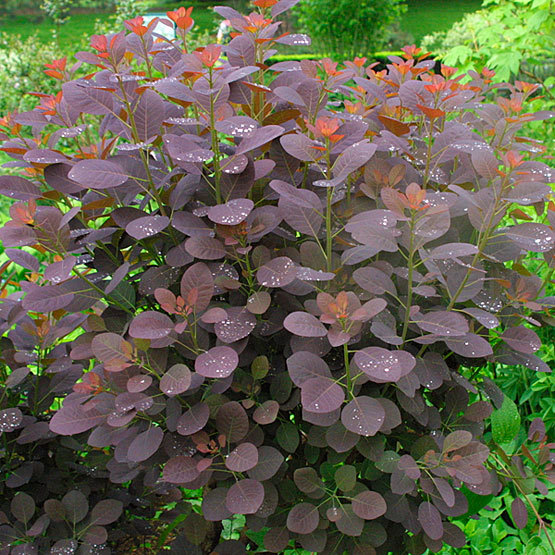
point(22, 70)
point(511, 37)
point(516, 39)
point(348, 28)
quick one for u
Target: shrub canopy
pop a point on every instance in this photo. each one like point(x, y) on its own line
point(233, 283)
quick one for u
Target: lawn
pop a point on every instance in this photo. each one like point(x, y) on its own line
point(426, 16)
point(423, 17)
point(83, 24)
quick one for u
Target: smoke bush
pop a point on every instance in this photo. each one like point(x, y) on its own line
point(233, 284)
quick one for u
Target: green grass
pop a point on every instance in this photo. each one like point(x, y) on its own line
point(81, 25)
point(426, 16)
point(423, 17)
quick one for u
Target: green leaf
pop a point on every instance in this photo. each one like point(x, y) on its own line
point(287, 436)
point(475, 502)
point(346, 477)
point(505, 422)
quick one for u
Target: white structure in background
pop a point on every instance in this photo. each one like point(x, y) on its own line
point(165, 29)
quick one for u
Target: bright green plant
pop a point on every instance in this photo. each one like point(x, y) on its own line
point(349, 28)
point(509, 36)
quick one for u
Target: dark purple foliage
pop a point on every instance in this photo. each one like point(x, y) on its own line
point(232, 283)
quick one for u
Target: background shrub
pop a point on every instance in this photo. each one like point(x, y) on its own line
point(236, 285)
point(346, 28)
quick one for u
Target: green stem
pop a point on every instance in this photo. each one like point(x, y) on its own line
point(410, 265)
point(347, 369)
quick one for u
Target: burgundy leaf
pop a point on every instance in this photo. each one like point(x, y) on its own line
point(303, 518)
point(430, 520)
point(363, 416)
point(205, 248)
point(304, 324)
point(233, 212)
point(145, 444)
point(237, 325)
point(304, 365)
point(259, 138)
point(197, 286)
point(98, 174)
point(519, 512)
point(193, 420)
point(278, 272)
point(242, 458)
point(259, 302)
point(10, 419)
point(470, 345)
point(150, 325)
point(232, 421)
point(321, 395)
point(218, 362)
point(180, 470)
point(147, 226)
point(522, 339)
point(266, 413)
point(369, 505)
point(176, 380)
point(245, 497)
point(443, 323)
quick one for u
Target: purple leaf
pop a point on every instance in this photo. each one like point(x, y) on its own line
point(150, 325)
point(76, 506)
point(453, 250)
point(232, 421)
point(242, 458)
point(369, 505)
point(218, 362)
point(485, 163)
point(522, 339)
point(303, 518)
point(304, 365)
point(304, 324)
point(470, 345)
point(269, 462)
point(205, 248)
point(17, 188)
point(430, 520)
point(10, 419)
point(47, 298)
point(214, 506)
point(98, 174)
point(147, 226)
point(278, 272)
point(519, 512)
point(237, 126)
point(321, 395)
point(532, 237)
point(237, 325)
point(106, 511)
point(193, 420)
point(23, 259)
point(245, 497)
point(74, 419)
point(197, 286)
point(266, 413)
point(259, 302)
point(176, 380)
point(443, 323)
point(259, 138)
point(180, 470)
point(456, 440)
point(145, 444)
point(363, 416)
point(233, 212)
point(380, 364)
point(149, 115)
